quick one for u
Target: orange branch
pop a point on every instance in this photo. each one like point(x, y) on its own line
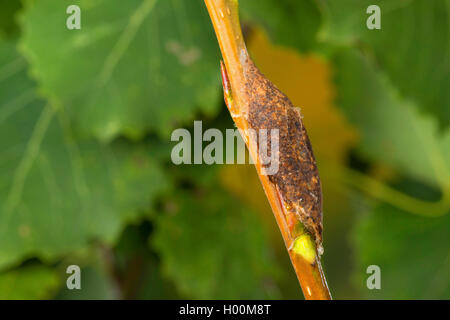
point(225, 18)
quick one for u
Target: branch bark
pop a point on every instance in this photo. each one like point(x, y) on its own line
point(243, 83)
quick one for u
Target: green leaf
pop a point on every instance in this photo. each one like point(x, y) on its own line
point(411, 251)
point(412, 46)
point(28, 283)
point(8, 25)
point(292, 23)
point(134, 65)
point(211, 247)
point(139, 268)
point(393, 131)
point(95, 285)
point(58, 193)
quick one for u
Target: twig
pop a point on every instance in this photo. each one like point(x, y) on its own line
point(237, 72)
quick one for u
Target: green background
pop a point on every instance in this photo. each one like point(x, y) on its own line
point(85, 172)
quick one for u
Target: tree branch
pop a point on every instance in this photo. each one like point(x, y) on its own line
point(237, 72)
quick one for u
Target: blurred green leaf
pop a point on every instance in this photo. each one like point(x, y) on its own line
point(412, 46)
point(393, 131)
point(345, 20)
point(292, 23)
point(134, 66)
point(95, 285)
point(28, 283)
point(211, 247)
point(8, 25)
point(138, 267)
point(58, 193)
point(411, 251)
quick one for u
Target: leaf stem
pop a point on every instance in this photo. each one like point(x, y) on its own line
point(385, 193)
point(301, 248)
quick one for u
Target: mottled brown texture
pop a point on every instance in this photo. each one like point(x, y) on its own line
point(297, 178)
